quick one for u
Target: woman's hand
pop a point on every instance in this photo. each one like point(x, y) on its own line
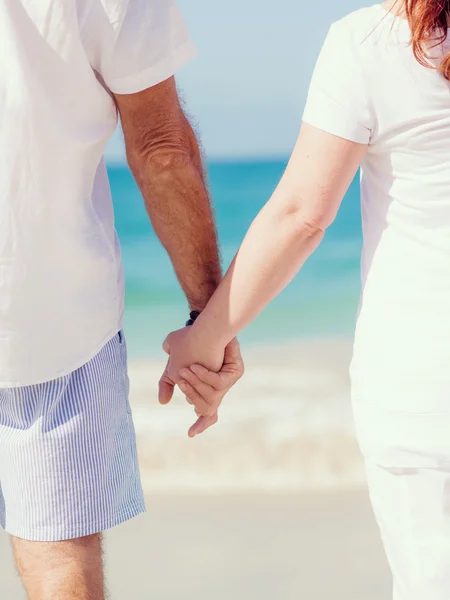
point(184, 351)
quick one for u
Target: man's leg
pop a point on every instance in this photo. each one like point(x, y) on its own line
point(70, 570)
point(68, 471)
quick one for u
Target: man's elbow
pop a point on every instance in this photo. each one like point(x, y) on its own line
point(158, 159)
point(160, 151)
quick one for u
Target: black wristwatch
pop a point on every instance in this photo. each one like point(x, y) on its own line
point(192, 318)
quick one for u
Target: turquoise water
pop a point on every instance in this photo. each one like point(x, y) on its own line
point(320, 302)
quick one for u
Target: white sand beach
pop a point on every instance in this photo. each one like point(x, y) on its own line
point(315, 546)
point(270, 504)
point(287, 426)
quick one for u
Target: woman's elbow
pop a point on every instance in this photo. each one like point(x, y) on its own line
point(310, 223)
point(312, 216)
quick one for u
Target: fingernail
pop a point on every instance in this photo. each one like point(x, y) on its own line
point(182, 386)
point(184, 372)
point(195, 369)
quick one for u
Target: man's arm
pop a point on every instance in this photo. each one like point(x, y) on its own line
point(165, 159)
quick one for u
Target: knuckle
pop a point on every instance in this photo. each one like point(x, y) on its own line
point(200, 404)
point(221, 385)
point(217, 403)
point(209, 399)
point(186, 375)
point(209, 411)
point(192, 396)
point(239, 371)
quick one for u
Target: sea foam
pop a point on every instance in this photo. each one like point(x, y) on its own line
point(286, 426)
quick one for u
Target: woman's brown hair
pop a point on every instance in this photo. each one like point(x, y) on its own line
point(428, 20)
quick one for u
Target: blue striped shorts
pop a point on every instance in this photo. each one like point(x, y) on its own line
point(68, 461)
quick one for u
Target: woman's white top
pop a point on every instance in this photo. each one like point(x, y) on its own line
point(369, 88)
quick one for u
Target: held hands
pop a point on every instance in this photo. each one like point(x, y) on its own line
point(204, 375)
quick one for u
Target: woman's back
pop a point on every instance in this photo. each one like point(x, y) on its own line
point(373, 103)
point(368, 87)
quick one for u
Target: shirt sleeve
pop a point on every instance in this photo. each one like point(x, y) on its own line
point(146, 43)
point(337, 101)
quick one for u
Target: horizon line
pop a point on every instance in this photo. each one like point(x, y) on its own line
point(258, 158)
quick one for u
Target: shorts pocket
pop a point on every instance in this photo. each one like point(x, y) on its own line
point(124, 367)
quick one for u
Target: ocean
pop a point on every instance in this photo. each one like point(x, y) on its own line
point(287, 425)
point(320, 303)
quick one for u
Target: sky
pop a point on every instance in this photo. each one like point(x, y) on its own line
point(246, 89)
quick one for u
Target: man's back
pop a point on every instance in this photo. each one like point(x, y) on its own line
point(61, 290)
point(68, 458)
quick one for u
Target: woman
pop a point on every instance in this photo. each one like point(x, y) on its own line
point(379, 98)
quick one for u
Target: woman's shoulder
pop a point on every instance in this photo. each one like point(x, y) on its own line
point(359, 25)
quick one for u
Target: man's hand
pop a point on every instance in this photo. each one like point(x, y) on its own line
point(204, 388)
point(200, 385)
point(165, 159)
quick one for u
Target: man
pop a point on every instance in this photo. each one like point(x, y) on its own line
point(68, 465)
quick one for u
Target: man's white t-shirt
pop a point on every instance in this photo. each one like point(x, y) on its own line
point(369, 88)
point(61, 284)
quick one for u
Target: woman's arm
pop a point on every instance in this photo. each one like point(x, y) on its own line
point(339, 121)
point(286, 231)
